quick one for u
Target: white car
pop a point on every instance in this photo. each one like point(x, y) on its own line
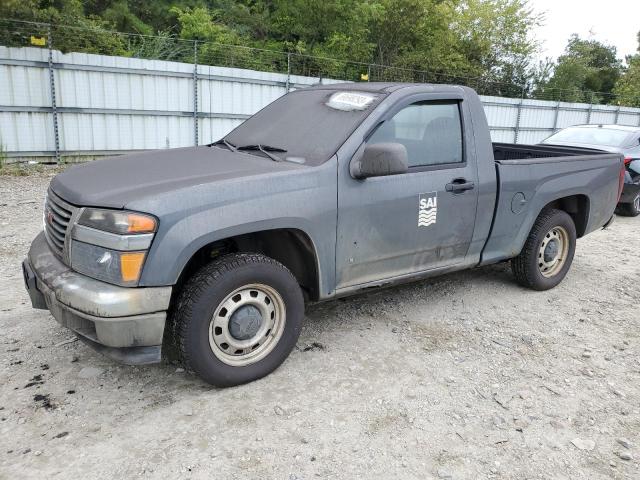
point(611, 138)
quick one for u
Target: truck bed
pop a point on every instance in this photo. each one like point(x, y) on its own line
point(532, 176)
point(512, 151)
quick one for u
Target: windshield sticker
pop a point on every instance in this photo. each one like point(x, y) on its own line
point(427, 209)
point(350, 101)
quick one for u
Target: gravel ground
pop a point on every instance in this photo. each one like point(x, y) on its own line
point(464, 376)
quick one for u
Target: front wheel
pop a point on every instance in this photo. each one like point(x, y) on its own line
point(548, 252)
point(238, 318)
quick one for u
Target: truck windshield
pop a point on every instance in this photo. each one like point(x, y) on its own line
point(610, 137)
point(308, 124)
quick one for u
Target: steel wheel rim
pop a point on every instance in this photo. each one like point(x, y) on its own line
point(237, 352)
point(636, 203)
point(550, 267)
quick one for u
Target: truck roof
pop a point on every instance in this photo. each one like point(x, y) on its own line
point(386, 87)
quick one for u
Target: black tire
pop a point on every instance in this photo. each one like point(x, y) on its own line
point(526, 267)
point(203, 294)
point(631, 209)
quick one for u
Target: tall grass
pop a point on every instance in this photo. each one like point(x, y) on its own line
point(3, 156)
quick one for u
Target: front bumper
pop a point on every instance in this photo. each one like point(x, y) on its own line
point(126, 324)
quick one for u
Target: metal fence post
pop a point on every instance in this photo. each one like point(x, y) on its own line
point(590, 110)
point(519, 114)
point(52, 87)
point(288, 85)
point(555, 117)
point(195, 92)
point(617, 115)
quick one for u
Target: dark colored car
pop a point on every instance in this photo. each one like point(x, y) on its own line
point(611, 138)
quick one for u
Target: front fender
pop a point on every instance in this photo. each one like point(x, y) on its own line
point(309, 207)
point(161, 268)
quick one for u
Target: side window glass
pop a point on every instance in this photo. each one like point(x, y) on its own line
point(430, 131)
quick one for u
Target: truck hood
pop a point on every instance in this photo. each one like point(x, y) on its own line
point(118, 181)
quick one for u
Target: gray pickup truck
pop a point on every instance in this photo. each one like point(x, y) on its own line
point(212, 251)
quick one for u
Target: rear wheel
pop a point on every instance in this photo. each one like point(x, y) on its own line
point(630, 209)
point(238, 318)
point(548, 252)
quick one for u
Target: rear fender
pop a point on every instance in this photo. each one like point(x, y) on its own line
point(540, 188)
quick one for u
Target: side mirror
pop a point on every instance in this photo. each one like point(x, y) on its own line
point(379, 160)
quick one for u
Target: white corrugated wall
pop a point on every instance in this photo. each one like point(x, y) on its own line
point(118, 104)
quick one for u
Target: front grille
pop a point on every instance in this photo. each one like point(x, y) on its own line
point(57, 215)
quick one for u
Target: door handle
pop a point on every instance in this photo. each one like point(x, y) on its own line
point(459, 185)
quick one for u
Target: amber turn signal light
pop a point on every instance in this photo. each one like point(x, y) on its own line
point(131, 266)
point(140, 223)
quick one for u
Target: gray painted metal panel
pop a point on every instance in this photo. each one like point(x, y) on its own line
point(378, 237)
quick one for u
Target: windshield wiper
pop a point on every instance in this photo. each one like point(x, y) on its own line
point(227, 144)
point(266, 149)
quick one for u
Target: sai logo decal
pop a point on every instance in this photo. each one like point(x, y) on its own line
point(427, 209)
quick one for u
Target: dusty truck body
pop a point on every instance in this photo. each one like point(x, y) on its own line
point(212, 251)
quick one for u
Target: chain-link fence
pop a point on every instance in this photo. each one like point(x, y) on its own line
point(66, 38)
point(89, 92)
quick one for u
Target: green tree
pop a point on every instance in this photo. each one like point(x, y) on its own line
point(415, 35)
point(123, 19)
point(495, 39)
point(455, 40)
point(422, 40)
point(627, 90)
point(72, 31)
point(587, 71)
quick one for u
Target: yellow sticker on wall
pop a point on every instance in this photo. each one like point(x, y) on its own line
point(39, 41)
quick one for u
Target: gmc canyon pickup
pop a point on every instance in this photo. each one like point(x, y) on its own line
point(212, 251)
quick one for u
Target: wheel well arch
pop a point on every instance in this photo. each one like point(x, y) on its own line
point(577, 206)
point(290, 246)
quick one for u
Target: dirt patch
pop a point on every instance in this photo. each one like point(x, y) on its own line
point(43, 401)
point(463, 376)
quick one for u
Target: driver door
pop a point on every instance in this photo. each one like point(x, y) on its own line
point(400, 225)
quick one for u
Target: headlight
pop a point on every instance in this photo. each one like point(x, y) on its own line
point(111, 245)
point(117, 221)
